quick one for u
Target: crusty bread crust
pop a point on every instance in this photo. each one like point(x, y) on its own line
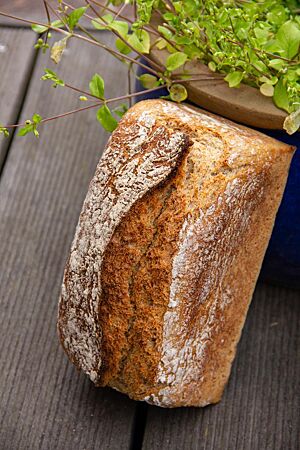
point(154, 306)
point(139, 156)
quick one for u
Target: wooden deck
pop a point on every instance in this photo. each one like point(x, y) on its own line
point(44, 402)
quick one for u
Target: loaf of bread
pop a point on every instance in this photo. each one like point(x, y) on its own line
point(167, 251)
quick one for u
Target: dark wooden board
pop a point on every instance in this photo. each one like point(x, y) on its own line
point(17, 57)
point(29, 9)
point(44, 402)
point(34, 11)
point(260, 407)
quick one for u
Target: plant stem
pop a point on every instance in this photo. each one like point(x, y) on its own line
point(115, 52)
point(49, 20)
point(123, 17)
point(83, 38)
point(94, 105)
point(129, 84)
point(119, 12)
point(159, 67)
point(79, 90)
point(62, 19)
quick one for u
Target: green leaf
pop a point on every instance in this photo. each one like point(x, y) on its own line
point(178, 93)
point(267, 89)
point(212, 66)
point(75, 16)
point(148, 81)
point(25, 130)
point(161, 43)
point(165, 31)
point(120, 27)
point(42, 28)
point(122, 47)
point(140, 41)
point(277, 64)
point(175, 60)
point(102, 23)
point(292, 122)
point(280, 97)
point(120, 110)
point(51, 75)
point(277, 15)
point(57, 24)
point(288, 36)
point(107, 22)
point(234, 78)
point(190, 7)
point(38, 28)
point(31, 126)
point(97, 86)
point(144, 10)
point(36, 118)
point(106, 119)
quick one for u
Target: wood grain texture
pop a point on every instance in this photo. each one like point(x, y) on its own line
point(260, 406)
point(16, 55)
point(28, 9)
point(44, 402)
point(34, 11)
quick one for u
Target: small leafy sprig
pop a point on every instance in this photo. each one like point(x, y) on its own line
point(241, 41)
point(128, 41)
point(31, 126)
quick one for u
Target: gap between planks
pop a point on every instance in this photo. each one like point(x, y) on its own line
point(44, 403)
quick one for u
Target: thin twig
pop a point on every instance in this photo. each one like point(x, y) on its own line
point(115, 52)
point(83, 38)
point(159, 67)
point(58, 16)
point(129, 84)
point(49, 20)
point(80, 90)
point(94, 105)
point(120, 10)
point(123, 17)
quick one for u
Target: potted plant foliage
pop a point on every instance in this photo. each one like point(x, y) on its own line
point(236, 58)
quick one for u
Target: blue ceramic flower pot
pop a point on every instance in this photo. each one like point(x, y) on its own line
point(282, 260)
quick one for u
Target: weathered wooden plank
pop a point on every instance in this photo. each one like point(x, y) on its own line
point(260, 407)
point(29, 9)
point(34, 11)
point(16, 56)
point(44, 402)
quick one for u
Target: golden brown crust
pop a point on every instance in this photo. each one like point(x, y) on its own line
point(139, 261)
point(140, 154)
point(178, 271)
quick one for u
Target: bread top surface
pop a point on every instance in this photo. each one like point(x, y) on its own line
point(212, 176)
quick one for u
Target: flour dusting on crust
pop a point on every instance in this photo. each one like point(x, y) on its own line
point(222, 183)
point(206, 250)
point(138, 157)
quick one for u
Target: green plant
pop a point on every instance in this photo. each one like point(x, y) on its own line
point(254, 42)
point(247, 41)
